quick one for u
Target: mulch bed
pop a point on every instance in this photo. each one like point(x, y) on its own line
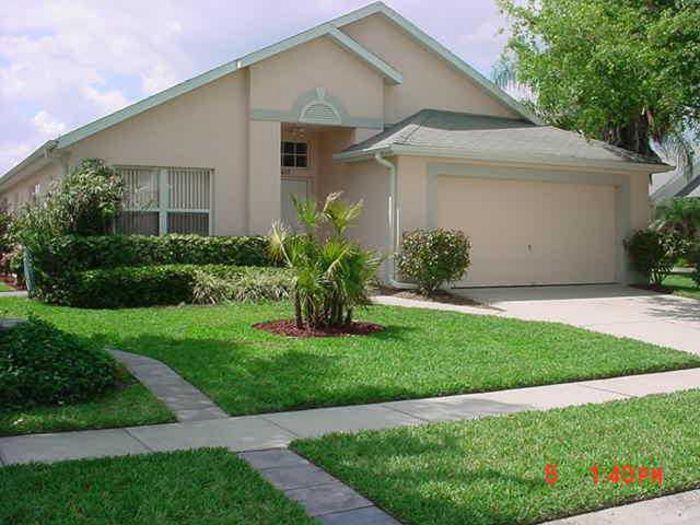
point(439, 296)
point(289, 328)
point(659, 288)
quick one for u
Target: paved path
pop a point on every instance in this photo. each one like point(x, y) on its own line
point(324, 497)
point(678, 509)
point(279, 429)
point(661, 319)
point(186, 401)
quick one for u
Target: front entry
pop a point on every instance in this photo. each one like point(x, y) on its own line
point(299, 188)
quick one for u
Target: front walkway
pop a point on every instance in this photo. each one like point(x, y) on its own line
point(622, 311)
point(279, 429)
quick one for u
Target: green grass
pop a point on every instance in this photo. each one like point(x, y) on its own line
point(682, 285)
point(491, 471)
point(130, 405)
point(198, 487)
point(422, 353)
point(4, 287)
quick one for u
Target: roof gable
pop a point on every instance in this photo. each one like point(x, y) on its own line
point(330, 30)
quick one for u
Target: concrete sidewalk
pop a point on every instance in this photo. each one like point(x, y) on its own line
point(678, 509)
point(279, 429)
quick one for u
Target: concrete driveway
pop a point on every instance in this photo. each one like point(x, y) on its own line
point(613, 309)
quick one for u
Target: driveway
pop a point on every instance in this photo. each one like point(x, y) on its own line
point(612, 309)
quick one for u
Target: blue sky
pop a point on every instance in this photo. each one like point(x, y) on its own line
point(64, 63)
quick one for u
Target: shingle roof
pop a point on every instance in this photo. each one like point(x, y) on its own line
point(463, 134)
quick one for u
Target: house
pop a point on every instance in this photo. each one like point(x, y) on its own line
point(677, 183)
point(370, 105)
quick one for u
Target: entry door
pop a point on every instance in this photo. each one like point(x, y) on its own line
point(299, 188)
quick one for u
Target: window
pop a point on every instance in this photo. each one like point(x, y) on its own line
point(295, 155)
point(165, 200)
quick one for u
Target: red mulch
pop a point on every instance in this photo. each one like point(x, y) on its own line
point(289, 328)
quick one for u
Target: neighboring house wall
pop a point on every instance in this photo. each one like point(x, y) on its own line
point(429, 81)
point(206, 128)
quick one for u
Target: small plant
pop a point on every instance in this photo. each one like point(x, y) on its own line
point(41, 365)
point(432, 258)
point(653, 253)
point(221, 284)
point(331, 273)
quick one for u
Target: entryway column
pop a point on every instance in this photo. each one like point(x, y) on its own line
point(263, 175)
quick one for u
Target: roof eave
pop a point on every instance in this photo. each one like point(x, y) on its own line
point(42, 152)
point(597, 165)
point(433, 45)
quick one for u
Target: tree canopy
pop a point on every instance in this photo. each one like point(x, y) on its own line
point(624, 71)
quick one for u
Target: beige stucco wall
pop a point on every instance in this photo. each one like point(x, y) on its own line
point(277, 82)
point(429, 81)
point(264, 181)
point(206, 128)
point(18, 193)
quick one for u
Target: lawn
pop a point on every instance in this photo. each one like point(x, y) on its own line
point(422, 353)
point(130, 405)
point(205, 486)
point(682, 285)
point(492, 471)
point(4, 287)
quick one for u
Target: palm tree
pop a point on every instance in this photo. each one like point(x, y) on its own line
point(332, 273)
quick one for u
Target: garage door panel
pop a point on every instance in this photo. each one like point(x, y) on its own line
point(532, 232)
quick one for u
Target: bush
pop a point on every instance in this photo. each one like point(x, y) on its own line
point(432, 258)
point(129, 287)
point(653, 253)
point(40, 365)
point(694, 260)
point(84, 202)
point(222, 284)
point(57, 261)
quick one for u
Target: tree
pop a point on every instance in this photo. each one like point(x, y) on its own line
point(624, 71)
point(84, 202)
point(331, 272)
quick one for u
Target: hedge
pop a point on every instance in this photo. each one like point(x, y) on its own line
point(57, 263)
point(127, 287)
point(41, 365)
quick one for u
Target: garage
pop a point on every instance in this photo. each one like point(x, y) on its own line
point(532, 232)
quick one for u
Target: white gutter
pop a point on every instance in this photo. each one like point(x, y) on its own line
point(393, 223)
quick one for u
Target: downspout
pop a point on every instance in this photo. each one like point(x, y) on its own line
point(393, 223)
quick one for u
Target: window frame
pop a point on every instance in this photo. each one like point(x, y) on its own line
point(295, 155)
point(164, 207)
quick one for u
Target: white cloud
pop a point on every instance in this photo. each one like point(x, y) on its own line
point(12, 154)
point(105, 101)
point(47, 125)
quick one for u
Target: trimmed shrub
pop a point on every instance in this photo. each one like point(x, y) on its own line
point(653, 253)
point(225, 284)
point(41, 365)
point(129, 287)
point(57, 262)
point(431, 258)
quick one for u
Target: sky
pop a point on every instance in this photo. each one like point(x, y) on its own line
point(64, 63)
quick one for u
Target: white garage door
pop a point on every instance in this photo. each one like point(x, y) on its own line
point(525, 233)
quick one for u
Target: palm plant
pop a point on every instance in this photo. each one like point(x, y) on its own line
point(331, 273)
